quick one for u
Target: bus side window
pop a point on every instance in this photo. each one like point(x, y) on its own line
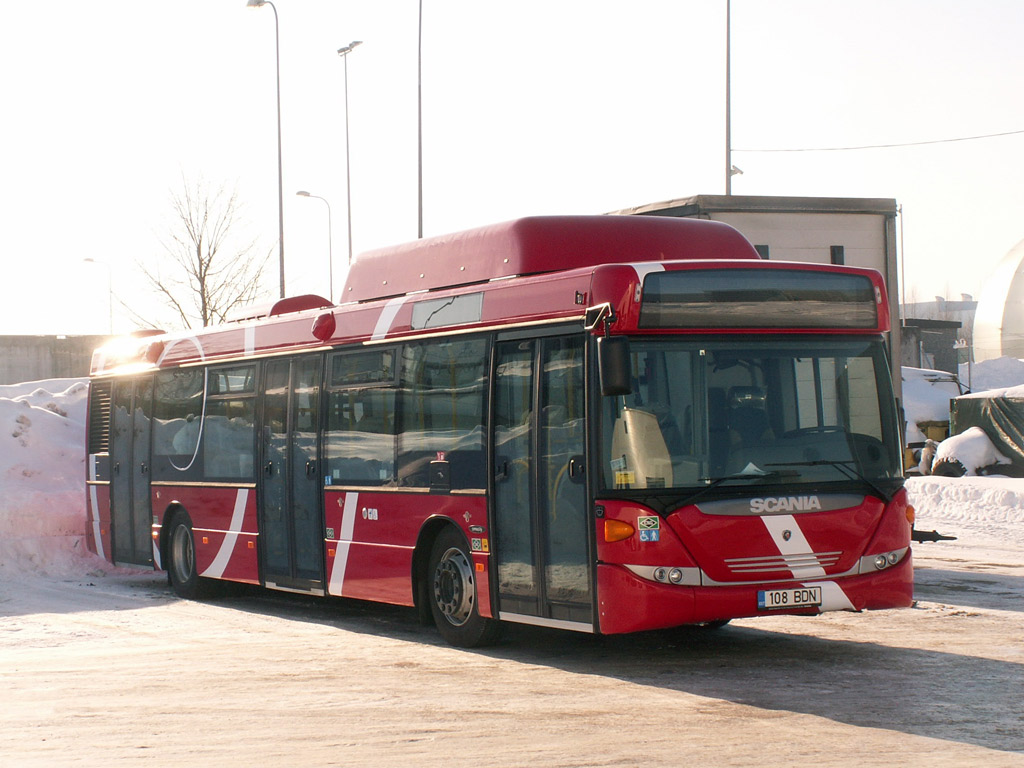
point(228, 438)
point(443, 388)
point(177, 413)
point(360, 437)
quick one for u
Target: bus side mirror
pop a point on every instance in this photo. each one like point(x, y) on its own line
point(613, 366)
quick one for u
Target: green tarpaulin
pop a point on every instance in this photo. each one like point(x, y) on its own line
point(1001, 418)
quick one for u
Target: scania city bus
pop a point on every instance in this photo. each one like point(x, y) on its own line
point(598, 423)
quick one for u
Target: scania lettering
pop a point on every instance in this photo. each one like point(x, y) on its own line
point(785, 504)
point(604, 424)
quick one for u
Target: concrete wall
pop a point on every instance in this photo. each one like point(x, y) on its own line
point(809, 236)
point(31, 358)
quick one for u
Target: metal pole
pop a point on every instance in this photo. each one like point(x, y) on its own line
point(903, 268)
point(348, 177)
point(344, 52)
point(280, 175)
point(728, 106)
point(419, 128)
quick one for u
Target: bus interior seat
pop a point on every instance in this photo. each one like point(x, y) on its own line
point(748, 418)
point(637, 438)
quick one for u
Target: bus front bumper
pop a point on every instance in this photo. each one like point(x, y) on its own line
point(629, 603)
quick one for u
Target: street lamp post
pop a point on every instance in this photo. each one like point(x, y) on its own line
point(330, 239)
point(728, 98)
point(280, 177)
point(344, 52)
point(419, 125)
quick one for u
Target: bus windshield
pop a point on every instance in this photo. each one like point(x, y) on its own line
point(800, 411)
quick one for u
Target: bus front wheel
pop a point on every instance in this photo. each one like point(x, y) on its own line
point(451, 585)
point(181, 551)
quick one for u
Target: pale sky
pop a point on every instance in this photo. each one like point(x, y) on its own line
point(560, 106)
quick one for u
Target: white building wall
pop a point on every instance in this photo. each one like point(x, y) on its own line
point(808, 236)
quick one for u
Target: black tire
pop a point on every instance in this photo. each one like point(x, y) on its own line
point(451, 589)
point(700, 629)
point(710, 626)
point(948, 468)
point(181, 559)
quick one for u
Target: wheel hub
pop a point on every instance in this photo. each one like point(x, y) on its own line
point(453, 587)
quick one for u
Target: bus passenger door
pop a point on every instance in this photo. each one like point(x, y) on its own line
point(131, 509)
point(540, 500)
point(291, 527)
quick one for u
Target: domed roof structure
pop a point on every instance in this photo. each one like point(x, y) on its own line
point(999, 320)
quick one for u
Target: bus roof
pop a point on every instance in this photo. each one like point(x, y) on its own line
point(535, 245)
point(564, 265)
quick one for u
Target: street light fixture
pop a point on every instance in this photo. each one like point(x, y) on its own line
point(344, 52)
point(330, 252)
point(280, 177)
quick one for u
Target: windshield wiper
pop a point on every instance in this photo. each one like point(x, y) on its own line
point(851, 473)
point(749, 472)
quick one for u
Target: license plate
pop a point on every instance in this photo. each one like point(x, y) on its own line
point(803, 597)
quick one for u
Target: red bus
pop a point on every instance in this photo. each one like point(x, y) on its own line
point(597, 423)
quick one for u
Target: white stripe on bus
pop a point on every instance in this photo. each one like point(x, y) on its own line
point(794, 544)
point(832, 596)
point(348, 526)
point(387, 317)
point(643, 270)
point(97, 534)
point(220, 562)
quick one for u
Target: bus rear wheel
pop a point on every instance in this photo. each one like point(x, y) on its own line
point(181, 551)
point(451, 587)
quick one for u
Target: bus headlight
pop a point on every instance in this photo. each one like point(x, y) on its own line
point(881, 561)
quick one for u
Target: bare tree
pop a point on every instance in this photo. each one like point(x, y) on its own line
point(214, 271)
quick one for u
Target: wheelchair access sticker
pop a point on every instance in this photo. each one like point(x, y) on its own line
point(649, 527)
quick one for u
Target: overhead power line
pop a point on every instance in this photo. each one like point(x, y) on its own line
point(886, 146)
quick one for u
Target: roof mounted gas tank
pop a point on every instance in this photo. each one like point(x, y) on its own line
point(536, 245)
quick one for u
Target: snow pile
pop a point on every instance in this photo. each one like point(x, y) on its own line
point(1015, 392)
point(980, 500)
point(42, 474)
point(993, 374)
point(926, 396)
point(971, 449)
point(986, 514)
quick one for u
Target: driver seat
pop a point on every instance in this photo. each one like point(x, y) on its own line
point(748, 418)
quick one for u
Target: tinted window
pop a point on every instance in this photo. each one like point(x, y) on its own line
point(360, 439)
point(443, 387)
point(228, 439)
point(178, 411)
point(757, 298)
